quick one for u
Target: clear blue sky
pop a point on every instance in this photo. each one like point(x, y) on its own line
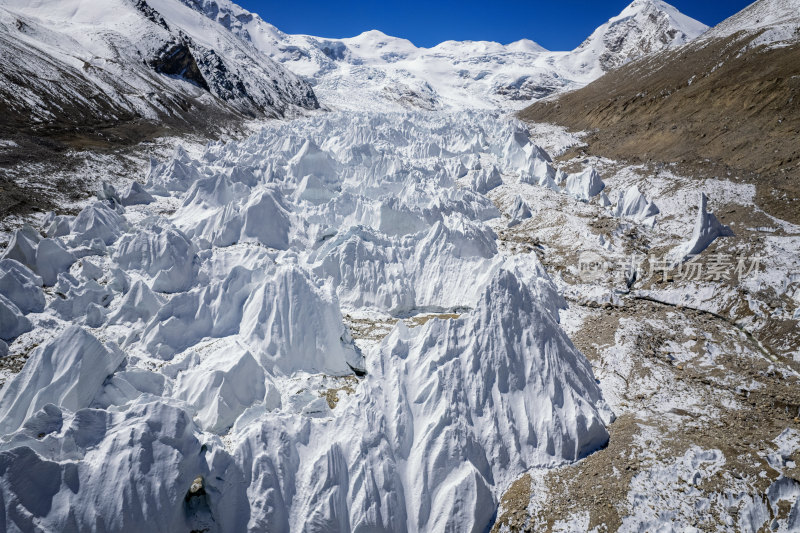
point(555, 24)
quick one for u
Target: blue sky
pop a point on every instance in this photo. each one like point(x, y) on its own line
point(555, 24)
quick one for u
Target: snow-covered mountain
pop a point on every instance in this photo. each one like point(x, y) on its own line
point(88, 63)
point(375, 70)
point(644, 27)
point(391, 321)
point(84, 62)
point(774, 22)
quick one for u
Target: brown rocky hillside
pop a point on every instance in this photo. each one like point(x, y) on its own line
point(715, 106)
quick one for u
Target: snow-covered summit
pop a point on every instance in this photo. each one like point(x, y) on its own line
point(374, 45)
point(479, 48)
point(643, 27)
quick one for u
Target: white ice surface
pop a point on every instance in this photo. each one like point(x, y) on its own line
point(198, 335)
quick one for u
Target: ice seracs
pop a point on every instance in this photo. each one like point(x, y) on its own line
point(633, 204)
point(291, 325)
point(47, 257)
point(68, 371)
point(140, 303)
point(57, 225)
point(486, 180)
point(175, 175)
point(706, 230)
point(367, 270)
point(52, 259)
point(99, 221)
point(540, 172)
point(222, 386)
point(135, 195)
point(411, 468)
point(22, 247)
point(162, 253)
point(529, 355)
point(584, 185)
point(265, 219)
point(192, 347)
point(519, 212)
point(13, 322)
point(79, 297)
point(311, 160)
point(21, 286)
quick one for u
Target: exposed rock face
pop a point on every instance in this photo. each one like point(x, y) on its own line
point(151, 14)
point(532, 87)
point(177, 60)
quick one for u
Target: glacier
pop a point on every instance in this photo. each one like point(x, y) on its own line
point(195, 325)
point(343, 321)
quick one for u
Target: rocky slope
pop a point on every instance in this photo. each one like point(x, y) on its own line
point(722, 105)
point(74, 65)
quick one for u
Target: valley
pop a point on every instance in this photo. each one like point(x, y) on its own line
point(383, 292)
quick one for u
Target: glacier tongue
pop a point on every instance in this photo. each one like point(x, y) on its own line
point(197, 370)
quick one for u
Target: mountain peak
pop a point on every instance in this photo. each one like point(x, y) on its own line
point(643, 27)
point(378, 38)
point(648, 7)
point(526, 45)
point(643, 4)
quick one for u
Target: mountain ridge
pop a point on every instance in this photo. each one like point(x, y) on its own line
point(379, 70)
point(138, 62)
